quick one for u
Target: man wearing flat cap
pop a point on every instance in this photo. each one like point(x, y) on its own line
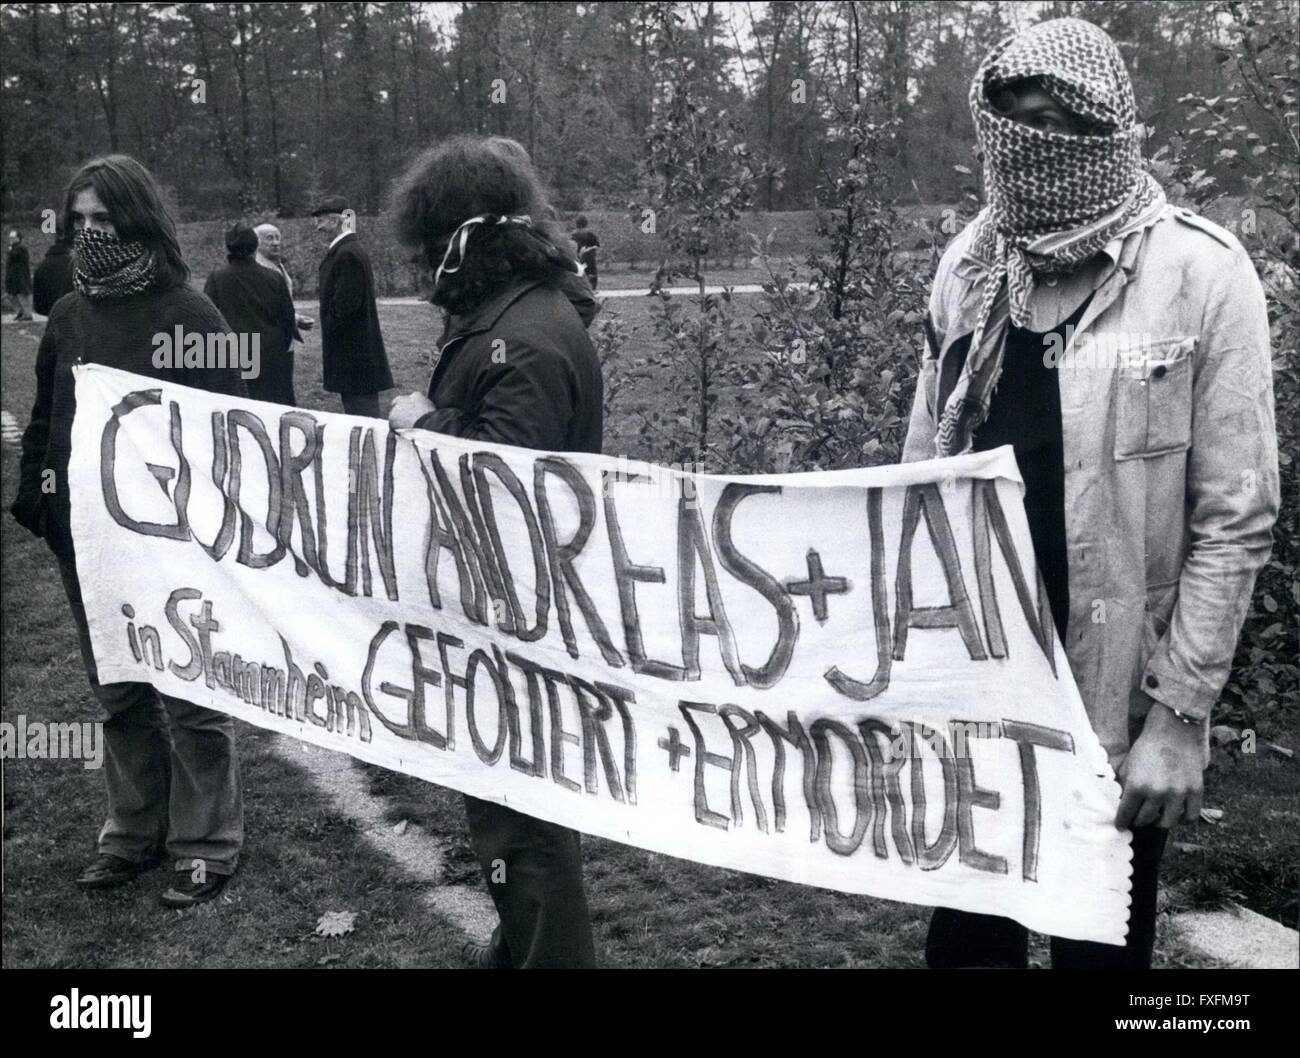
point(256, 301)
point(352, 346)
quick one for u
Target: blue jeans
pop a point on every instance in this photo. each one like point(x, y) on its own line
point(176, 789)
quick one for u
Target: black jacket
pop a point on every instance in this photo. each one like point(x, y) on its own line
point(53, 278)
point(118, 333)
point(255, 300)
point(352, 347)
point(520, 370)
point(18, 270)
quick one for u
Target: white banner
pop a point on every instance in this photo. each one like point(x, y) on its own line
point(845, 679)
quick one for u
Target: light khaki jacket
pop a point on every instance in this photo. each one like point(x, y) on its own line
point(1171, 478)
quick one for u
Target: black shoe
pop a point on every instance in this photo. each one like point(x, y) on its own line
point(109, 871)
point(185, 892)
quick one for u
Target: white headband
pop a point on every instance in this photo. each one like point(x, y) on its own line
point(463, 232)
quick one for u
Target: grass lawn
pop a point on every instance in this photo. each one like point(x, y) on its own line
point(303, 860)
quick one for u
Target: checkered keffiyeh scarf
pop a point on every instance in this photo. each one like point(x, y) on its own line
point(1055, 199)
point(107, 267)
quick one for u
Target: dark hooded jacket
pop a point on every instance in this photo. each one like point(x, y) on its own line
point(521, 370)
point(53, 277)
point(118, 333)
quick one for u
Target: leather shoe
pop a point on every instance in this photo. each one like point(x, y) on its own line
point(185, 892)
point(108, 871)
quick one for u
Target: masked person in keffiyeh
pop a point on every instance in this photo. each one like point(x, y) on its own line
point(1121, 347)
point(1057, 195)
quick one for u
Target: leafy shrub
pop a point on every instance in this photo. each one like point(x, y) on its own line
point(1220, 144)
point(835, 385)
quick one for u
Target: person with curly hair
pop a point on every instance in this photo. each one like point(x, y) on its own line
point(516, 367)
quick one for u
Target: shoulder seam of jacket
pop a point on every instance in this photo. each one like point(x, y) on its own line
point(1215, 231)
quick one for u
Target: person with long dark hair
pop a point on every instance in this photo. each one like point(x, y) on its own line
point(170, 794)
point(517, 368)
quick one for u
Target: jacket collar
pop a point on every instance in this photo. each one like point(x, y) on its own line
point(485, 316)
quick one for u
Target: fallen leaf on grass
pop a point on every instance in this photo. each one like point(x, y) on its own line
point(1222, 735)
point(325, 960)
point(1187, 846)
point(336, 923)
point(1281, 751)
point(1211, 815)
point(400, 829)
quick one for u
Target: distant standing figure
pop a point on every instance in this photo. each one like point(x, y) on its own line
point(352, 346)
point(585, 239)
point(53, 276)
point(18, 275)
point(255, 300)
point(269, 256)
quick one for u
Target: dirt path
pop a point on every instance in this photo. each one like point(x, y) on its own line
point(421, 854)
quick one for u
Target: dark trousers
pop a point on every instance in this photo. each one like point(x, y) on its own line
point(533, 870)
point(170, 768)
point(361, 404)
point(962, 939)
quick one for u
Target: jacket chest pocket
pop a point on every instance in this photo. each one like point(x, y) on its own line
point(1153, 400)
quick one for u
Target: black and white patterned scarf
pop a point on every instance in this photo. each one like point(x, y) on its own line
point(107, 267)
point(1055, 199)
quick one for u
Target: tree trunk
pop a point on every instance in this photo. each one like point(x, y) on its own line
point(322, 92)
point(277, 175)
point(246, 192)
point(361, 39)
point(213, 101)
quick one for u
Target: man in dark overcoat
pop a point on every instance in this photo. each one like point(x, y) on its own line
point(354, 362)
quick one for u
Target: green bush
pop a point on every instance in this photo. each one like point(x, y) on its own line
point(1263, 70)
